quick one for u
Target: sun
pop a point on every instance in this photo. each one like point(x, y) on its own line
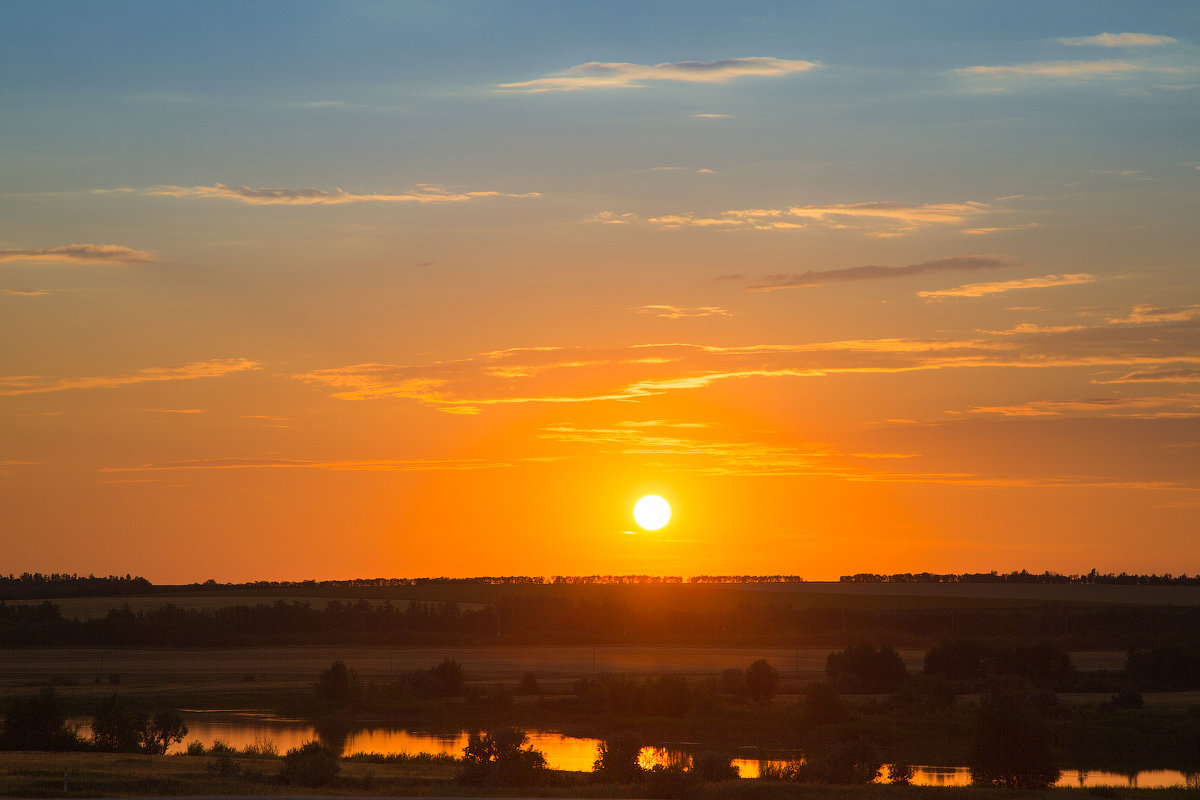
point(652, 512)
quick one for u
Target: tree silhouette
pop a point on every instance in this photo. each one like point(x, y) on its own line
point(762, 681)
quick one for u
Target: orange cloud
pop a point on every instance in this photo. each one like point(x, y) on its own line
point(34, 384)
point(879, 218)
point(87, 253)
point(584, 375)
point(381, 465)
point(422, 194)
point(1000, 287)
point(678, 312)
point(1185, 405)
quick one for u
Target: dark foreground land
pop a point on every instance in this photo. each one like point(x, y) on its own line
point(912, 672)
point(121, 775)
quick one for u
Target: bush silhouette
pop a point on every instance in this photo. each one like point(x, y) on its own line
point(1012, 740)
point(617, 759)
point(311, 764)
point(499, 759)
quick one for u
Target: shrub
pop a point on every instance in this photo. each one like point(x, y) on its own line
point(841, 764)
point(38, 723)
point(617, 759)
point(671, 782)
point(821, 703)
point(713, 767)
point(223, 766)
point(900, 773)
point(498, 759)
point(195, 748)
point(311, 764)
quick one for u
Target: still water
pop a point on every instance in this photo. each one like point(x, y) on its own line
point(251, 729)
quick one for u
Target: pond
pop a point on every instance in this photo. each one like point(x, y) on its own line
point(241, 729)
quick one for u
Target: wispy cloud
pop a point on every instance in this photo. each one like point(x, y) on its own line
point(1157, 376)
point(87, 253)
point(346, 465)
point(1143, 314)
point(568, 375)
point(1001, 287)
point(620, 75)
point(997, 229)
point(869, 273)
point(423, 194)
point(33, 384)
point(877, 218)
point(1060, 69)
point(23, 292)
point(712, 116)
point(1118, 40)
point(678, 312)
point(1178, 406)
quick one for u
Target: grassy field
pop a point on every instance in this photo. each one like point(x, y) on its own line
point(253, 677)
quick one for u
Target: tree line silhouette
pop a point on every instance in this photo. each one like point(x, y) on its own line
point(523, 620)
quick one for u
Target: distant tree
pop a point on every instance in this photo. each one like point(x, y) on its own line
point(528, 685)
point(116, 726)
point(667, 695)
point(1168, 666)
point(1012, 745)
point(867, 666)
point(762, 681)
point(37, 723)
point(498, 758)
point(617, 759)
point(733, 681)
point(449, 675)
point(337, 688)
point(959, 659)
point(161, 731)
point(1045, 665)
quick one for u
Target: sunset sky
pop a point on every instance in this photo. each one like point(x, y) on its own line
point(333, 290)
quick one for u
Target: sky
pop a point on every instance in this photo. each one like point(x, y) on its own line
point(359, 289)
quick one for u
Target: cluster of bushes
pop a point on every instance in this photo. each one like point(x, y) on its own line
point(39, 723)
point(500, 758)
point(338, 690)
point(971, 662)
point(618, 760)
